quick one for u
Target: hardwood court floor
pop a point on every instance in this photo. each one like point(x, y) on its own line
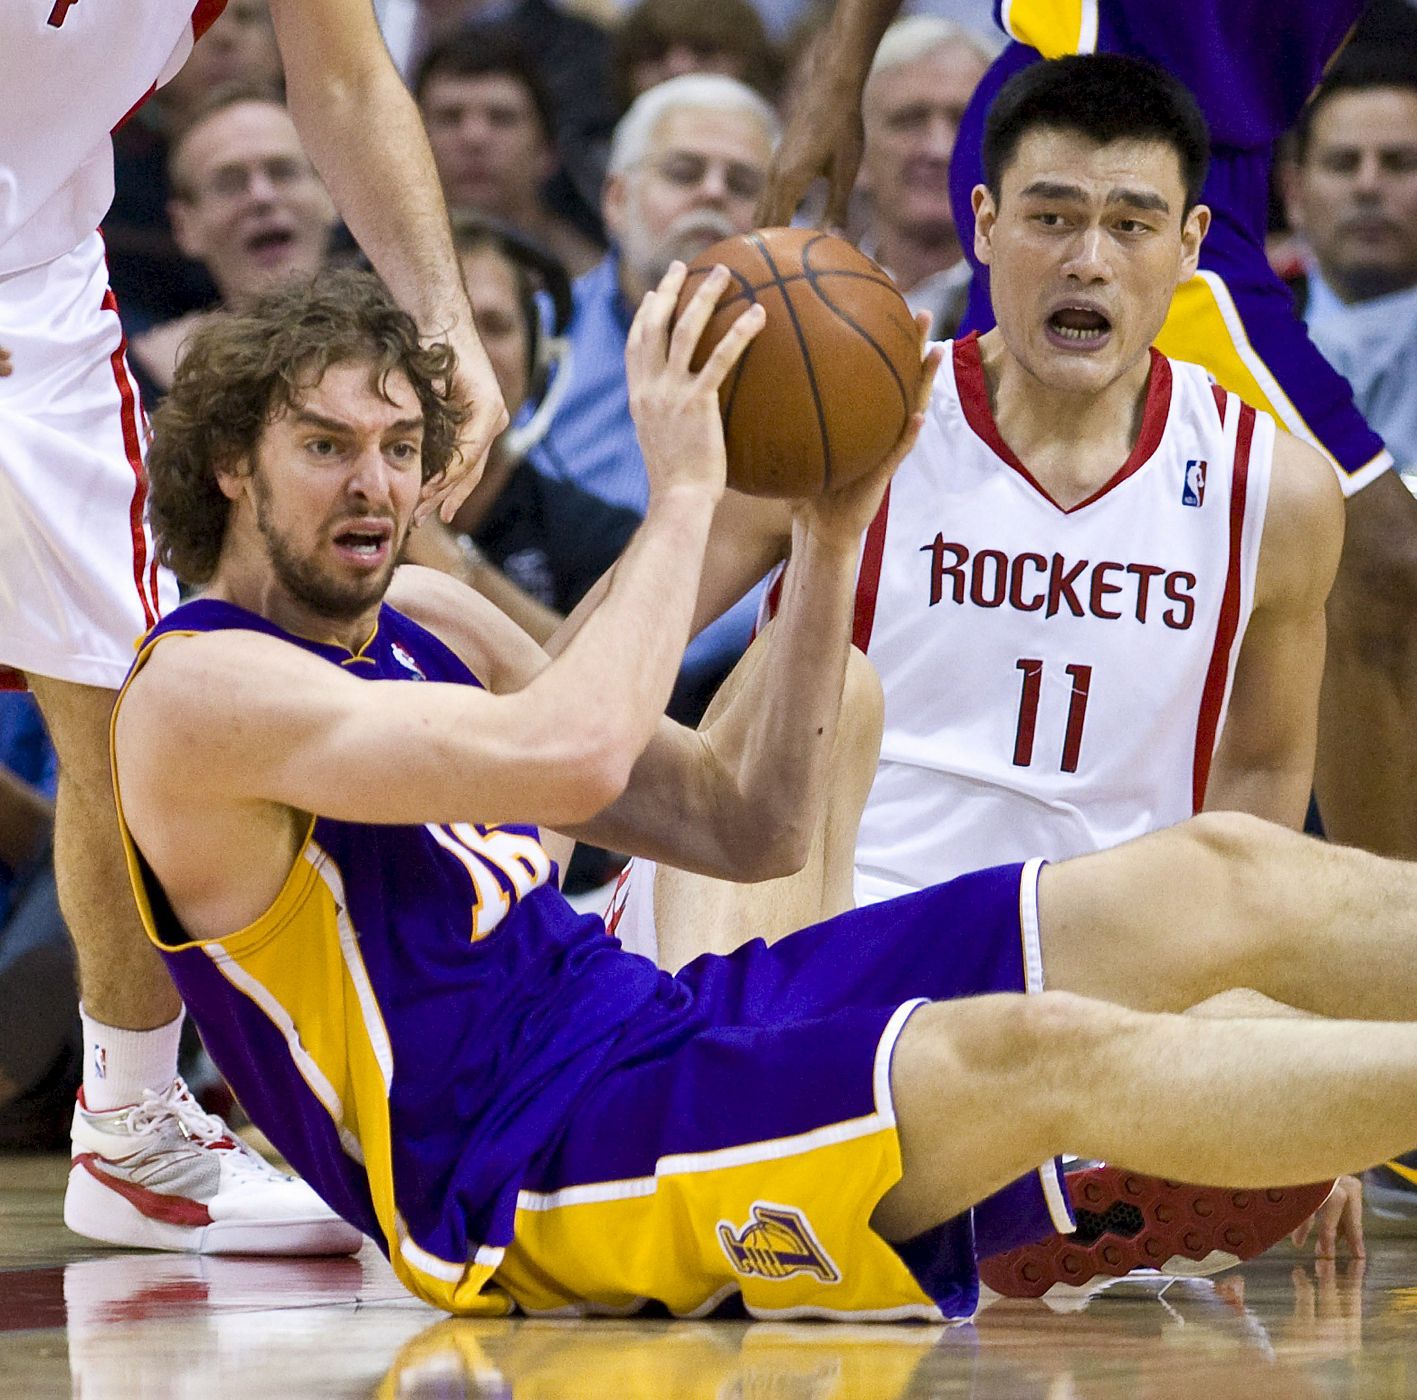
point(81, 1321)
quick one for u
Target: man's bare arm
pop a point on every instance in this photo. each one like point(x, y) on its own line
point(823, 135)
point(364, 135)
point(1264, 763)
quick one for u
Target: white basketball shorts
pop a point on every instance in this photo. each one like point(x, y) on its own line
point(79, 582)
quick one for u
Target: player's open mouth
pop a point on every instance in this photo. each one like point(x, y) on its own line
point(270, 243)
point(368, 544)
point(1078, 327)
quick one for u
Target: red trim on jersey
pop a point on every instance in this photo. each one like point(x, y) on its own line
point(1220, 396)
point(11, 679)
point(974, 400)
point(1213, 696)
point(868, 581)
point(133, 451)
point(204, 15)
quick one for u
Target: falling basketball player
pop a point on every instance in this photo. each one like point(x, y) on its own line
point(333, 791)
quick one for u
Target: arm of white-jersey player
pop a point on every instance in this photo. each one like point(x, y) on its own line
point(749, 536)
point(1264, 763)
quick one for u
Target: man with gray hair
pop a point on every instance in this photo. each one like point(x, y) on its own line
point(921, 80)
point(687, 164)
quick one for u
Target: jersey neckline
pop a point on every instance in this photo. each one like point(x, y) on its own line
point(974, 401)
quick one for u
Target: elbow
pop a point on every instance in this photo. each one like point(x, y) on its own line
point(771, 849)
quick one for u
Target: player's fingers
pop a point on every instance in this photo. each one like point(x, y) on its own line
point(4, 362)
point(929, 368)
point(728, 350)
point(780, 197)
point(841, 180)
point(1351, 1225)
point(652, 319)
point(689, 324)
point(1303, 1231)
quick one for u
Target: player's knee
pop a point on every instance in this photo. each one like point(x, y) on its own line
point(1375, 594)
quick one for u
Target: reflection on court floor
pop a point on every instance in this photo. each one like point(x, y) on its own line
point(77, 1321)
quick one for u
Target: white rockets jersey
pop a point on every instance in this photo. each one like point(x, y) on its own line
point(1055, 680)
point(72, 71)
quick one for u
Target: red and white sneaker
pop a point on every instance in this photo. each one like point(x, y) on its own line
point(1126, 1221)
point(164, 1174)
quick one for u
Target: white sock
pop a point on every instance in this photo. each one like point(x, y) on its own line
point(119, 1065)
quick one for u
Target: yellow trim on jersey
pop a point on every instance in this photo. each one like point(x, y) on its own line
point(299, 964)
point(1053, 27)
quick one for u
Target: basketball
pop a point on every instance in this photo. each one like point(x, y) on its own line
point(823, 392)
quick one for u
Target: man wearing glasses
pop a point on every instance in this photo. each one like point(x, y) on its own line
point(687, 164)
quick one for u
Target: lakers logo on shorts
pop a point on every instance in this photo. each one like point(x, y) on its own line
point(776, 1243)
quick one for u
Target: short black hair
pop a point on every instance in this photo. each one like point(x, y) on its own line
point(1105, 98)
point(1358, 69)
point(488, 51)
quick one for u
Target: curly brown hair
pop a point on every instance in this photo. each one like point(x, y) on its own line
point(244, 369)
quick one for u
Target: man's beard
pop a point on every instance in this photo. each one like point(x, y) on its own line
point(687, 237)
point(340, 600)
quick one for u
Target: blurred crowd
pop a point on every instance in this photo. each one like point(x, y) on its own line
point(581, 148)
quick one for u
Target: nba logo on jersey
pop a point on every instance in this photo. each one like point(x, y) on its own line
point(407, 662)
point(1193, 488)
point(776, 1243)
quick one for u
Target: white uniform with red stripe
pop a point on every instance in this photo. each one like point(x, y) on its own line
point(1055, 680)
point(77, 580)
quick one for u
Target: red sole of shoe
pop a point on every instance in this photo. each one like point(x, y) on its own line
point(1130, 1221)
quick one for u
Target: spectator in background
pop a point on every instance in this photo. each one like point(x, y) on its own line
point(1353, 196)
point(491, 128)
point(572, 59)
point(151, 277)
point(661, 39)
point(923, 75)
point(41, 1048)
point(246, 204)
point(687, 165)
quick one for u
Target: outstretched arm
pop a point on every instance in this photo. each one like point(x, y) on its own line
point(1264, 763)
point(823, 135)
point(365, 137)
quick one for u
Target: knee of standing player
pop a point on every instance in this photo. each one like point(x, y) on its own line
point(1374, 597)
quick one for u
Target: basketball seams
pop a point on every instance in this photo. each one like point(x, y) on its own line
point(786, 278)
point(813, 278)
point(758, 242)
point(736, 376)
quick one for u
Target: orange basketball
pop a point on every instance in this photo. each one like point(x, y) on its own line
point(824, 390)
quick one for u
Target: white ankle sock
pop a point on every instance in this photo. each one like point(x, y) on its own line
point(119, 1064)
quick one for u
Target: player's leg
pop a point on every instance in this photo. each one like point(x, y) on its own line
point(694, 914)
point(985, 1087)
point(1225, 900)
point(121, 977)
point(78, 586)
point(1367, 756)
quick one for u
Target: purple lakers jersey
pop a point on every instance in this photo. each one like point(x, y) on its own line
point(412, 1017)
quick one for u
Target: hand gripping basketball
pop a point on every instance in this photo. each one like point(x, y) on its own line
point(674, 391)
point(823, 394)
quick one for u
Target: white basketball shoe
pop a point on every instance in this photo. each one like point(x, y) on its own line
point(165, 1174)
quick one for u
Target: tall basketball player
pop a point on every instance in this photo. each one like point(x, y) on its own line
point(1252, 65)
point(78, 579)
point(1095, 591)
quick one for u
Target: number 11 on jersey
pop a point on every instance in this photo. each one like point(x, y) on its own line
point(1028, 713)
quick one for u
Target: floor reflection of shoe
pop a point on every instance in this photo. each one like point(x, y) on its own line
point(1126, 1221)
point(163, 1174)
point(1390, 1196)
